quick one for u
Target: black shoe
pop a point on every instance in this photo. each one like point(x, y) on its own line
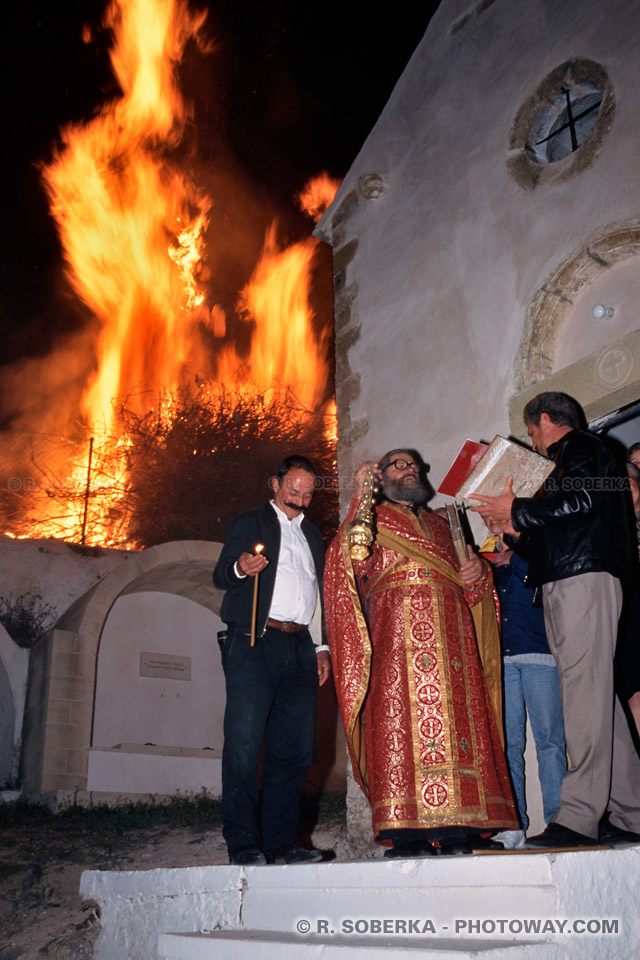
point(615, 836)
point(410, 849)
point(470, 845)
point(249, 857)
point(295, 854)
point(556, 835)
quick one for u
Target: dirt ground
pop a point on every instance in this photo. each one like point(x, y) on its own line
point(43, 916)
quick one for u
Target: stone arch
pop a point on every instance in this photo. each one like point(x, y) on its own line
point(62, 671)
point(7, 725)
point(604, 381)
point(552, 303)
point(14, 662)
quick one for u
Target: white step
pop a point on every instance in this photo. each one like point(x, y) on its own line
point(256, 911)
point(268, 944)
point(442, 889)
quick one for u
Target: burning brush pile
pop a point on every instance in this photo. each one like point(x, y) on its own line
point(160, 418)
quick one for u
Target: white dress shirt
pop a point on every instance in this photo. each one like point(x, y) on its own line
point(295, 590)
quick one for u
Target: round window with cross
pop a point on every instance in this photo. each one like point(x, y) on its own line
point(559, 128)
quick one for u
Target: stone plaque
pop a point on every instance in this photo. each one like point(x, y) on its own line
point(165, 666)
point(614, 365)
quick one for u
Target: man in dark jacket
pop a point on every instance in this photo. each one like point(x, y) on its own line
point(577, 539)
point(271, 686)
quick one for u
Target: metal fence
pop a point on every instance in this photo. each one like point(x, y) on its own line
point(57, 486)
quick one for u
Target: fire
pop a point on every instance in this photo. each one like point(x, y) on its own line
point(131, 242)
point(317, 194)
point(132, 227)
point(284, 352)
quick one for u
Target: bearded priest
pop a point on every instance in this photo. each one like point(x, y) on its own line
point(416, 659)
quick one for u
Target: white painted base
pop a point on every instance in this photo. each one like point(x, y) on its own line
point(265, 945)
point(135, 768)
point(567, 906)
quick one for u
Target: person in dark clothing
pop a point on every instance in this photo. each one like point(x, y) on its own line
point(577, 539)
point(627, 664)
point(271, 686)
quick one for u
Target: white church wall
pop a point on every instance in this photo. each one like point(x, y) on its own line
point(450, 255)
point(582, 334)
point(453, 265)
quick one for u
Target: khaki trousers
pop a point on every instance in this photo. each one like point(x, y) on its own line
point(581, 617)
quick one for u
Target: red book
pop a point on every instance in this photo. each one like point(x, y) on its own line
point(461, 467)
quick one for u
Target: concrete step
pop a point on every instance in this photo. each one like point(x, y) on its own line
point(451, 889)
point(271, 945)
point(460, 906)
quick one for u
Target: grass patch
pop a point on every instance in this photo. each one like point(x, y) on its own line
point(99, 832)
point(101, 818)
point(43, 898)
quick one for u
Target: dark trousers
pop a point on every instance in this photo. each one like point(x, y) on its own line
point(271, 696)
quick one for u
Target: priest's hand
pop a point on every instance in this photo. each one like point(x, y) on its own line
point(473, 570)
point(362, 473)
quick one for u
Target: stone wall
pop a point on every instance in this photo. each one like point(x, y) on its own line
point(98, 721)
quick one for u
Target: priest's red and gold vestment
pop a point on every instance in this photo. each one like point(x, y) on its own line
point(421, 731)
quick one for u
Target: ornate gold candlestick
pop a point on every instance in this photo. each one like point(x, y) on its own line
point(362, 530)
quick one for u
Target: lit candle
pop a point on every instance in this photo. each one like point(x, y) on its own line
point(259, 547)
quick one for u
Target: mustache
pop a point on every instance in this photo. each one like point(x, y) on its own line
point(294, 506)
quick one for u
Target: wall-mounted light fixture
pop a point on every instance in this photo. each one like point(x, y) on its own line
point(372, 185)
point(600, 311)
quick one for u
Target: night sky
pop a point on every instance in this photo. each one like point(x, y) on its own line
point(290, 89)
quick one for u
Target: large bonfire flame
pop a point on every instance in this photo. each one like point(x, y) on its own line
point(132, 229)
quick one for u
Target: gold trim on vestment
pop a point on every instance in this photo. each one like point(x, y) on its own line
point(355, 733)
point(474, 745)
point(413, 566)
point(413, 551)
point(450, 751)
point(483, 613)
point(413, 706)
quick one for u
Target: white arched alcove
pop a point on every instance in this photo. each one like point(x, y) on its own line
point(159, 699)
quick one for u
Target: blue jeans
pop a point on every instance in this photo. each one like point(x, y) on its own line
point(534, 688)
point(271, 697)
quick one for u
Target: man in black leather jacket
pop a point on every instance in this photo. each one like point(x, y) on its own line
point(577, 538)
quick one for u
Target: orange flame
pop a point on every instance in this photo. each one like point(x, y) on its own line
point(132, 228)
point(131, 243)
point(284, 352)
point(317, 194)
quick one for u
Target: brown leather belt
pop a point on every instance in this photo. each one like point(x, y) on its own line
point(287, 626)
